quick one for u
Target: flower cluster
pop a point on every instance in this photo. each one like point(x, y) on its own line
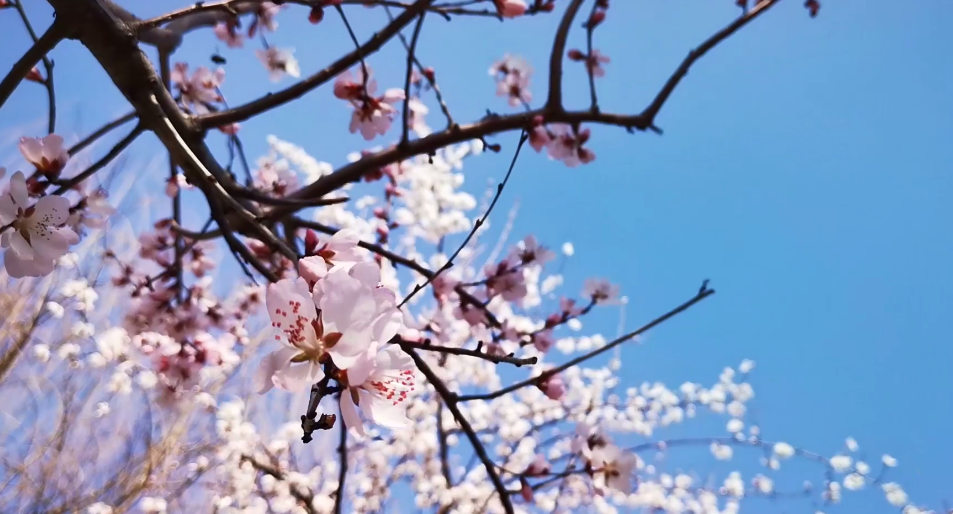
point(336, 320)
point(373, 115)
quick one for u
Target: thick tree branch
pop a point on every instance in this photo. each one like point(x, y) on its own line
point(53, 35)
point(555, 100)
point(497, 124)
point(272, 100)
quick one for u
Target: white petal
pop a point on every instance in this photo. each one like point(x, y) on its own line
point(21, 246)
point(269, 365)
point(349, 412)
point(18, 189)
point(383, 411)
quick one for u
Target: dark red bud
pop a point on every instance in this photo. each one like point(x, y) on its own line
point(576, 55)
point(310, 242)
point(316, 15)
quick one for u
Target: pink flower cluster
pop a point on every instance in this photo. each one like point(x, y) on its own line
point(373, 115)
point(336, 321)
point(36, 232)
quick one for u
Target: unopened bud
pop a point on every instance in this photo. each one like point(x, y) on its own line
point(576, 55)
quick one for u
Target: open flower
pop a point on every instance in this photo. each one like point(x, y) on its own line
point(38, 231)
point(199, 90)
point(340, 250)
point(614, 467)
point(378, 382)
point(46, 153)
point(374, 115)
point(279, 62)
point(354, 306)
point(567, 145)
point(293, 315)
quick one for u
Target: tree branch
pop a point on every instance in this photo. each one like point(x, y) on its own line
point(703, 293)
point(509, 359)
point(53, 35)
point(450, 399)
point(272, 100)
point(555, 100)
point(101, 163)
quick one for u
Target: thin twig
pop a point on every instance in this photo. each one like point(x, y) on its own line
point(105, 129)
point(476, 226)
point(703, 293)
point(41, 46)
point(509, 359)
point(450, 399)
point(101, 163)
point(411, 52)
point(342, 469)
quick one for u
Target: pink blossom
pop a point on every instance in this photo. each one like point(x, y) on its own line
point(92, 211)
point(38, 230)
point(174, 184)
point(568, 307)
point(543, 340)
point(378, 382)
point(297, 363)
point(279, 62)
point(614, 467)
point(373, 116)
point(354, 306)
point(350, 85)
point(513, 74)
point(45, 153)
point(275, 177)
point(539, 466)
point(567, 146)
point(553, 387)
point(539, 137)
point(529, 251)
point(507, 280)
point(510, 8)
point(201, 89)
point(227, 32)
point(264, 18)
point(594, 63)
point(600, 290)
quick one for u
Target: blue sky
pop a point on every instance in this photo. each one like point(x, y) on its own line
point(805, 169)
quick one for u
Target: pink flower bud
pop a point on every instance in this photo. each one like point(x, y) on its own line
point(510, 8)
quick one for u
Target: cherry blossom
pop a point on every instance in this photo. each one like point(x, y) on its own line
point(227, 32)
point(45, 153)
point(297, 363)
point(199, 90)
point(373, 116)
point(279, 62)
point(354, 307)
point(600, 290)
point(264, 18)
point(513, 74)
point(566, 145)
point(378, 382)
point(38, 234)
point(613, 467)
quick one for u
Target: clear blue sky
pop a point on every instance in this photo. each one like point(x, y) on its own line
point(806, 169)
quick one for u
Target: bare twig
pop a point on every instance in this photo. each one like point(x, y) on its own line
point(42, 45)
point(117, 149)
point(476, 225)
point(703, 293)
point(509, 359)
point(450, 399)
point(411, 52)
point(105, 129)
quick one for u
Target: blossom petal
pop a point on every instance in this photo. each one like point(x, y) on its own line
point(21, 246)
point(352, 419)
point(383, 411)
point(269, 366)
point(298, 377)
point(18, 190)
point(52, 210)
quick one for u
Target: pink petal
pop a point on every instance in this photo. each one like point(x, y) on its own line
point(349, 412)
point(272, 362)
